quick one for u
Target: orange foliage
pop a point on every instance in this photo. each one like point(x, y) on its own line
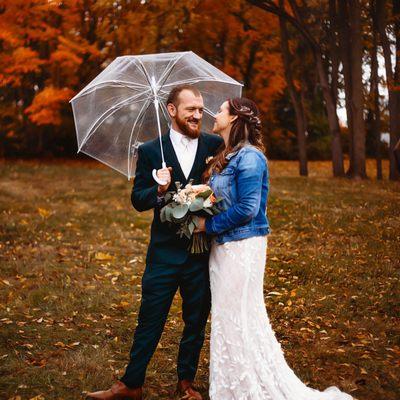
point(46, 106)
point(42, 50)
point(51, 49)
point(20, 62)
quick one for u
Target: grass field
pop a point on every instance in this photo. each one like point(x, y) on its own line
point(72, 253)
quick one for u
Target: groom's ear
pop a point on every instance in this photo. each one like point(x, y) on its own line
point(171, 110)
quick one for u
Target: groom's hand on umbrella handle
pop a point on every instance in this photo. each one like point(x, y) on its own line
point(164, 175)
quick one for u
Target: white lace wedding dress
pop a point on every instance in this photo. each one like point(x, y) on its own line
point(247, 361)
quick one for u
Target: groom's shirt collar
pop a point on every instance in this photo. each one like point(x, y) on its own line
point(176, 138)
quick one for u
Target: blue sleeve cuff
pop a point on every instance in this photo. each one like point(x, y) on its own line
point(209, 226)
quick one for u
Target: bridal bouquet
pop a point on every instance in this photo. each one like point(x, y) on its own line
point(184, 206)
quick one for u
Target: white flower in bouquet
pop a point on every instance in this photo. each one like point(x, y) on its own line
point(208, 202)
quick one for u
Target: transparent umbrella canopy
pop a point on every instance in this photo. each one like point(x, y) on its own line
point(125, 105)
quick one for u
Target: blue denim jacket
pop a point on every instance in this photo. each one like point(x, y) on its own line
point(243, 185)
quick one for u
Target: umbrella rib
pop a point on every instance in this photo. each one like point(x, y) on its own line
point(144, 71)
point(168, 72)
point(165, 112)
point(201, 79)
point(209, 111)
point(126, 84)
point(162, 94)
point(105, 115)
point(139, 117)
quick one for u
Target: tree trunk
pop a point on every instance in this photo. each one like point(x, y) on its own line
point(394, 103)
point(345, 55)
point(357, 99)
point(295, 98)
point(374, 95)
point(333, 120)
point(330, 101)
point(248, 73)
point(395, 137)
point(334, 49)
point(397, 155)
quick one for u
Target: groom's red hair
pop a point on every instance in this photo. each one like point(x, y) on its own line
point(173, 96)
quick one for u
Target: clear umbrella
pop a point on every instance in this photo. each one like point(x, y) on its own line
point(125, 105)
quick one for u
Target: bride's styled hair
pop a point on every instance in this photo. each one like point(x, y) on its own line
point(245, 129)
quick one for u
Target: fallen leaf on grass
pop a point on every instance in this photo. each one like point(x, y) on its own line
point(103, 256)
point(43, 212)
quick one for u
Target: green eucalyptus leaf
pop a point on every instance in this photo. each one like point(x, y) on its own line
point(204, 195)
point(186, 232)
point(179, 212)
point(192, 227)
point(197, 204)
point(195, 220)
point(215, 210)
point(168, 213)
point(162, 214)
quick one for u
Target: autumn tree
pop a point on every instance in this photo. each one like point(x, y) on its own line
point(41, 55)
point(307, 21)
point(387, 19)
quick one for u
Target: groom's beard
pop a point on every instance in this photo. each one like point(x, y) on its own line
point(187, 129)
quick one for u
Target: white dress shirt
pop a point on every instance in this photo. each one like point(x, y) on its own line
point(185, 149)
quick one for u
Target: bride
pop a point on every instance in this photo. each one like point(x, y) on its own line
point(246, 361)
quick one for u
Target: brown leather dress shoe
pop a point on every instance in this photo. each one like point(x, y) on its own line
point(186, 391)
point(118, 391)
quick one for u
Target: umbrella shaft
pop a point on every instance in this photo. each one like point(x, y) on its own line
point(159, 132)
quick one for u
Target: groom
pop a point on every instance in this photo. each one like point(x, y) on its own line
point(169, 264)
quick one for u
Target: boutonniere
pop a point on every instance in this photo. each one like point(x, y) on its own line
point(208, 159)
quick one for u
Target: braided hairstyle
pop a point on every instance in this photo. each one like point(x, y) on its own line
point(246, 129)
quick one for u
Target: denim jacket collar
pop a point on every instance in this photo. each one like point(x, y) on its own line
point(239, 146)
point(230, 155)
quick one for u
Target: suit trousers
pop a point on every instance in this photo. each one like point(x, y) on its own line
point(159, 285)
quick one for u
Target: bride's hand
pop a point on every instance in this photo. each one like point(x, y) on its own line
point(201, 225)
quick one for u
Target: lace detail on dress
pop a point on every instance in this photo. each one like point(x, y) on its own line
point(247, 361)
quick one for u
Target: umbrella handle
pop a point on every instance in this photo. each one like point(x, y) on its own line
point(156, 178)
